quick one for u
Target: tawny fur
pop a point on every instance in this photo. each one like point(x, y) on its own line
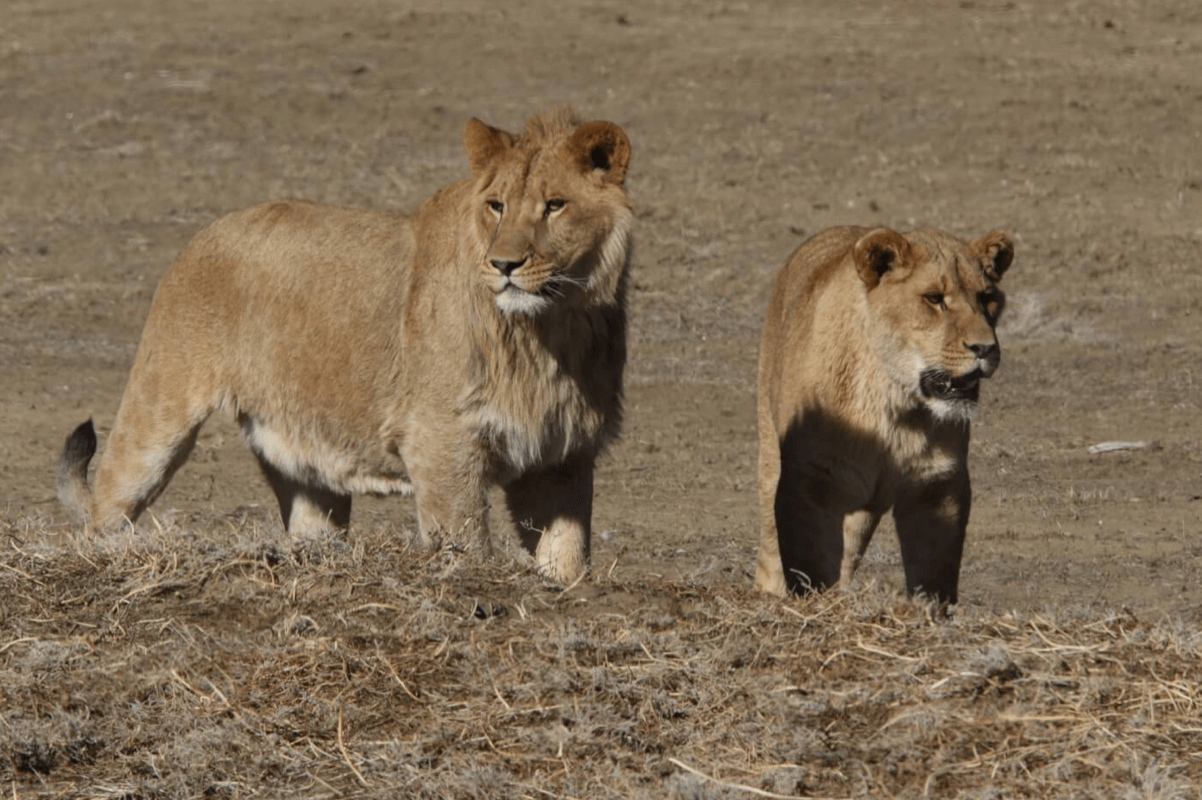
point(848, 428)
point(480, 341)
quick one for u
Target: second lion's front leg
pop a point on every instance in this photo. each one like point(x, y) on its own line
point(552, 509)
point(931, 523)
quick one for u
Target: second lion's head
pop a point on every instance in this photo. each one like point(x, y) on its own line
point(936, 305)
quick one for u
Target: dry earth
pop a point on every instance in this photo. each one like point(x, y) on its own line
point(126, 127)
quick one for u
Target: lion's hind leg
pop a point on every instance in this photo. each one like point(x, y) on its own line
point(172, 389)
point(306, 507)
point(146, 447)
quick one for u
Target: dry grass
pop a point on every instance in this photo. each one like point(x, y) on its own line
point(211, 657)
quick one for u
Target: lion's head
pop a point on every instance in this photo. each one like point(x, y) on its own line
point(550, 215)
point(937, 302)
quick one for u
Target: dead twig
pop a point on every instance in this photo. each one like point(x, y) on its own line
point(741, 787)
point(347, 756)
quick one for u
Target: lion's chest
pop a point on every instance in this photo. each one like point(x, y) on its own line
point(538, 426)
point(871, 458)
point(531, 407)
point(915, 453)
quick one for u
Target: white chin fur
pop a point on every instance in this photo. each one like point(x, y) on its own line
point(952, 410)
point(515, 301)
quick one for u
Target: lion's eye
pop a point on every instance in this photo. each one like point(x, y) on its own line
point(934, 298)
point(496, 206)
point(551, 206)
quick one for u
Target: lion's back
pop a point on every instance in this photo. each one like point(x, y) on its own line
point(285, 308)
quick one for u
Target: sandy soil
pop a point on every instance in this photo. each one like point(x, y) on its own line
point(1076, 127)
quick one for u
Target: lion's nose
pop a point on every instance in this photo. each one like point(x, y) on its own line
point(983, 350)
point(504, 266)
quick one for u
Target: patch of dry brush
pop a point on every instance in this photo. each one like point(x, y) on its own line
point(214, 658)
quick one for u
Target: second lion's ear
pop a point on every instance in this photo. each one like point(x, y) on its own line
point(996, 252)
point(602, 146)
point(484, 143)
point(879, 252)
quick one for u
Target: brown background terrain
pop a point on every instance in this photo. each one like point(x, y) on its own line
point(1077, 129)
point(127, 126)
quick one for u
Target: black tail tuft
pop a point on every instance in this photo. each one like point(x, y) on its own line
point(81, 444)
point(72, 472)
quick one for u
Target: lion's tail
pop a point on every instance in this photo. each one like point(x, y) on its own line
point(71, 475)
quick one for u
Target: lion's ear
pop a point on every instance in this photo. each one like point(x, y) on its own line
point(996, 252)
point(601, 145)
point(878, 252)
point(484, 143)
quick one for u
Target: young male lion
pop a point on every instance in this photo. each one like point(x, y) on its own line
point(480, 341)
point(873, 351)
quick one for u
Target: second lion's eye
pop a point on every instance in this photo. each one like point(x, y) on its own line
point(496, 206)
point(551, 206)
point(991, 303)
point(934, 298)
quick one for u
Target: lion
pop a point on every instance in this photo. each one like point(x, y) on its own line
point(479, 342)
point(873, 351)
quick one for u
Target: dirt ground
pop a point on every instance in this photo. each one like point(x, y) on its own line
point(1077, 127)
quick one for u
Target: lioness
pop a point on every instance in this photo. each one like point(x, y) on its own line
point(873, 350)
point(480, 341)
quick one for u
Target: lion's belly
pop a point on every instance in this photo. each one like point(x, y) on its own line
point(346, 467)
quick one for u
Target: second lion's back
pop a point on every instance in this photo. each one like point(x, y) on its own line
point(797, 288)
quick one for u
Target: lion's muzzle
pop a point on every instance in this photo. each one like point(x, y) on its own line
point(940, 385)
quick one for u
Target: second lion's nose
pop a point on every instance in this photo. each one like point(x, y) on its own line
point(984, 350)
point(505, 267)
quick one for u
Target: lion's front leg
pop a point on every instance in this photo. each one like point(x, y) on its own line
point(452, 503)
point(552, 509)
point(808, 507)
point(443, 522)
point(931, 523)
